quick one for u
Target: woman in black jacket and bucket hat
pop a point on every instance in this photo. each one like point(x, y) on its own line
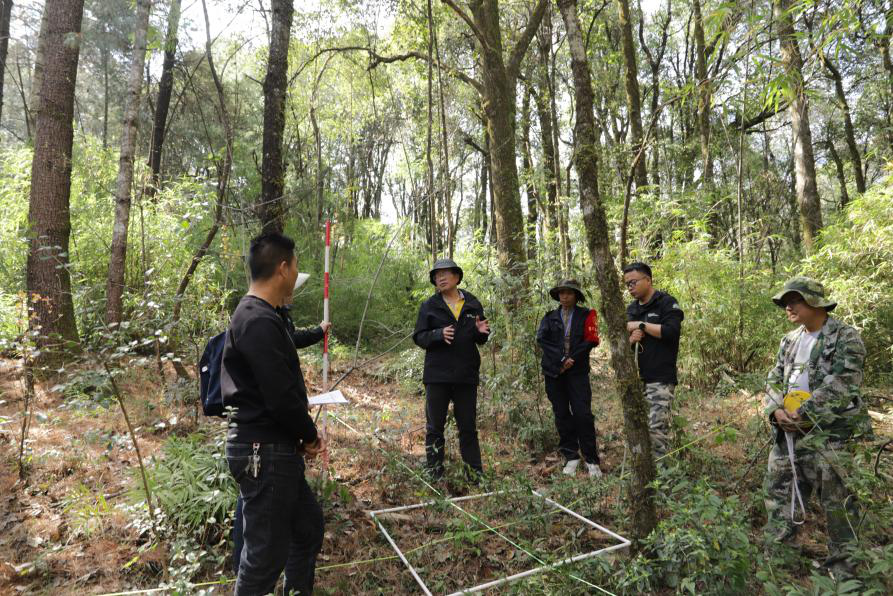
point(567, 335)
point(450, 326)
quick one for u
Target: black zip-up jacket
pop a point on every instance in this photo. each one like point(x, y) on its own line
point(261, 378)
point(657, 359)
point(456, 362)
point(550, 337)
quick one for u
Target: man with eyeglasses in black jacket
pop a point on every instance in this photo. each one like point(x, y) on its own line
point(654, 326)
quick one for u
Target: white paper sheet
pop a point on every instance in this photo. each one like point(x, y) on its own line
point(332, 397)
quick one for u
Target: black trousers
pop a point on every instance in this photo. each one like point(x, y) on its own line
point(282, 523)
point(571, 398)
point(437, 401)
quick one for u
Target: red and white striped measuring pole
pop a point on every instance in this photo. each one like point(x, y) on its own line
point(325, 344)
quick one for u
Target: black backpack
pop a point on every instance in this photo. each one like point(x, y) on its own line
point(209, 368)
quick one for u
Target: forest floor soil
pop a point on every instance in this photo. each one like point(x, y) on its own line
point(69, 530)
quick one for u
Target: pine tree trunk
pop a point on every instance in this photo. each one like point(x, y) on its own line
point(37, 76)
point(48, 281)
point(162, 105)
point(118, 259)
point(804, 162)
point(633, 99)
point(626, 377)
point(5, 16)
point(272, 207)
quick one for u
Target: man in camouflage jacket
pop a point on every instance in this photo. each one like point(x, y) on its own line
point(822, 360)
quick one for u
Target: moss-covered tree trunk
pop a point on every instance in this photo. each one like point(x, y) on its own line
point(626, 377)
point(498, 91)
point(633, 98)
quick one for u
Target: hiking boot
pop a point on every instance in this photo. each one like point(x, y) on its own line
point(570, 468)
point(594, 470)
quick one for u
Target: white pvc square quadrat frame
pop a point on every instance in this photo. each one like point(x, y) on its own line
point(624, 543)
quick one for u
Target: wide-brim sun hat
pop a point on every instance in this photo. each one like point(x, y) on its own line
point(445, 264)
point(812, 292)
point(568, 284)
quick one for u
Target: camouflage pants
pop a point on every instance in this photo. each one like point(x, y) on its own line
point(659, 397)
point(818, 469)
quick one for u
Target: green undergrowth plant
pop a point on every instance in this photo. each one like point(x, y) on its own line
point(731, 326)
point(855, 262)
point(192, 487)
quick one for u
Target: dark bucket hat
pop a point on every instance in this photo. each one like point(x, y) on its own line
point(812, 292)
point(445, 264)
point(568, 284)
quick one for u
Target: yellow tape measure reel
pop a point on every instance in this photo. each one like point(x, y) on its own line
point(794, 399)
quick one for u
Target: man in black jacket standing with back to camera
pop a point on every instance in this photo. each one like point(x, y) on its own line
point(654, 326)
point(270, 429)
point(450, 326)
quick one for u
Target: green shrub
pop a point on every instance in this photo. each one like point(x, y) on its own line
point(192, 486)
point(702, 546)
point(731, 325)
point(855, 262)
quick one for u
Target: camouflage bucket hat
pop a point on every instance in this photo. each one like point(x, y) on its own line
point(809, 289)
point(568, 284)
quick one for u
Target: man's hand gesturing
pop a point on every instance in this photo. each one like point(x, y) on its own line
point(483, 326)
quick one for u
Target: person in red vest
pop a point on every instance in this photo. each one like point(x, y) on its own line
point(567, 335)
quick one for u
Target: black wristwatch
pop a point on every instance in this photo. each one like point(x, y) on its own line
point(642, 326)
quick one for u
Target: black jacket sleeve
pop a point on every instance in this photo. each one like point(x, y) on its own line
point(423, 336)
point(552, 350)
point(284, 396)
point(671, 320)
point(304, 338)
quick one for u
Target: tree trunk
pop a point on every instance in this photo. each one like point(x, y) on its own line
point(224, 169)
point(48, 281)
point(271, 209)
point(841, 177)
point(499, 96)
point(39, 65)
point(804, 161)
point(162, 105)
point(849, 133)
point(446, 186)
point(703, 97)
point(633, 99)
point(118, 260)
point(626, 377)
point(430, 200)
point(544, 114)
point(104, 60)
point(529, 186)
point(317, 139)
point(5, 15)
